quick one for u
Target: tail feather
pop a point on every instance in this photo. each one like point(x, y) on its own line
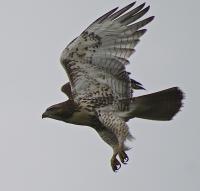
point(162, 105)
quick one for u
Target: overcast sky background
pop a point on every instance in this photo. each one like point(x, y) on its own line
point(48, 155)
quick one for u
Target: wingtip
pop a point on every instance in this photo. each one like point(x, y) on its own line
point(152, 18)
point(143, 4)
point(113, 10)
point(145, 10)
point(116, 8)
point(143, 31)
point(131, 4)
point(149, 19)
point(148, 7)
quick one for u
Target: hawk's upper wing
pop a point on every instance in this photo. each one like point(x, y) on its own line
point(95, 61)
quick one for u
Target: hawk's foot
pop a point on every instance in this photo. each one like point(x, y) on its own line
point(115, 164)
point(123, 157)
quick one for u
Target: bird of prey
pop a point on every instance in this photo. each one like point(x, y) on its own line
point(100, 90)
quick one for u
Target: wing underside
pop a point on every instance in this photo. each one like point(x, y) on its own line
point(96, 60)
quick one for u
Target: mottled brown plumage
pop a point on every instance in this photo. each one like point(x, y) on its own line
point(100, 90)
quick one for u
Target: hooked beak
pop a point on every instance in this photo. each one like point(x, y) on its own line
point(44, 115)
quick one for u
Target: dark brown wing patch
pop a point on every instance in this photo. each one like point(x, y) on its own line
point(66, 89)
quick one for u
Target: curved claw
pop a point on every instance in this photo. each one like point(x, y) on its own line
point(115, 164)
point(123, 157)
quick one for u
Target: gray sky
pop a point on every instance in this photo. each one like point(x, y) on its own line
point(48, 155)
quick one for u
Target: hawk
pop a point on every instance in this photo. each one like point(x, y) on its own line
point(100, 90)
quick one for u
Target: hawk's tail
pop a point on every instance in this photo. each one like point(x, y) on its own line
point(162, 105)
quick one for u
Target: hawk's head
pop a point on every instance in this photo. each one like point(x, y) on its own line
point(61, 111)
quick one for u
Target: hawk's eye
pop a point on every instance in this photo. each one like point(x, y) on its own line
point(50, 109)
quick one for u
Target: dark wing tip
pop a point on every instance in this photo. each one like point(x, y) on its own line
point(147, 8)
point(141, 6)
point(151, 18)
point(130, 5)
point(105, 16)
point(143, 31)
point(134, 14)
point(146, 21)
point(121, 11)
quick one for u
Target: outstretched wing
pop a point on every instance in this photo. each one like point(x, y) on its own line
point(95, 61)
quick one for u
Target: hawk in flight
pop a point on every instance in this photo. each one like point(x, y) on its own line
point(100, 90)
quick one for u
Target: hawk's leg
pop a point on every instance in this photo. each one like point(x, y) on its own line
point(123, 157)
point(115, 164)
point(120, 129)
point(110, 138)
